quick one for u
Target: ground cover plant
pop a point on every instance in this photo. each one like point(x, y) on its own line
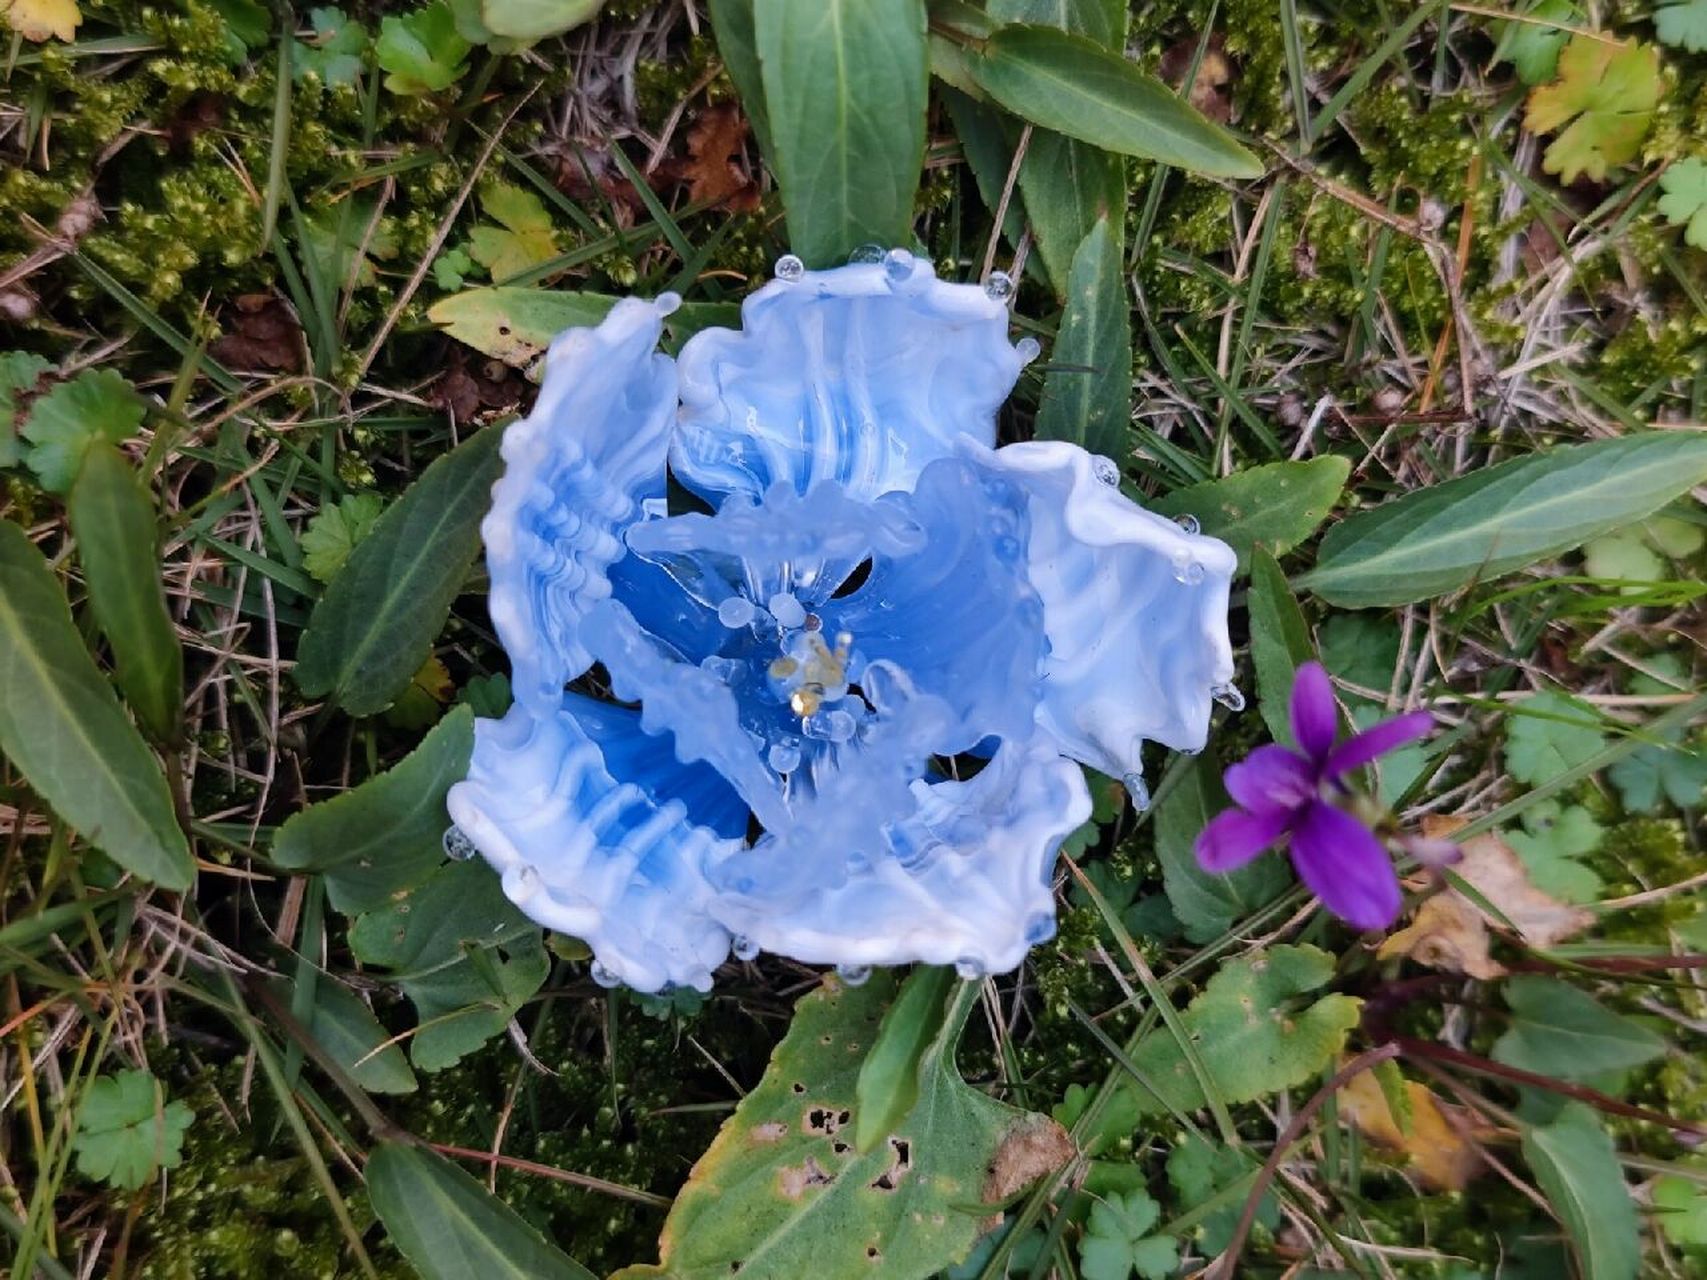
point(1407, 304)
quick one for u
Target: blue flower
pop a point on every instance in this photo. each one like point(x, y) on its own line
point(834, 712)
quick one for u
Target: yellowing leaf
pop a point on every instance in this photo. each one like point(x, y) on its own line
point(1603, 101)
point(524, 237)
point(1437, 1139)
point(1449, 933)
point(39, 19)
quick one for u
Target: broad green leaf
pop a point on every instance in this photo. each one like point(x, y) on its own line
point(421, 50)
point(1480, 526)
point(523, 238)
point(1117, 1240)
point(1680, 1209)
point(1103, 21)
point(732, 25)
point(346, 1028)
point(118, 542)
point(1206, 903)
point(464, 956)
point(1603, 100)
point(1683, 25)
point(372, 630)
point(1547, 734)
point(1253, 1039)
point(1552, 839)
point(845, 92)
point(96, 405)
point(1684, 203)
point(1561, 1031)
point(1275, 506)
point(19, 373)
point(515, 324)
point(531, 20)
point(1087, 397)
point(1533, 47)
point(782, 1193)
point(1577, 1169)
point(63, 729)
point(1076, 87)
point(334, 50)
point(126, 1130)
point(334, 532)
point(387, 833)
point(889, 1078)
point(1280, 642)
point(450, 1227)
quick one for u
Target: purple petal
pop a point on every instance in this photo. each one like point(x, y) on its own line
point(1315, 717)
point(1235, 837)
point(1272, 778)
point(1378, 740)
point(1346, 867)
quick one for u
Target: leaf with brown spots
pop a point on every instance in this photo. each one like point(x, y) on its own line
point(782, 1193)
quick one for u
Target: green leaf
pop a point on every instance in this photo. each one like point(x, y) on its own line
point(1087, 396)
point(19, 373)
point(126, 1130)
point(1561, 1031)
point(1552, 840)
point(531, 20)
point(1680, 1208)
point(372, 630)
point(1076, 87)
point(63, 729)
point(339, 244)
point(97, 404)
point(1684, 203)
point(515, 324)
point(1676, 772)
point(1198, 1169)
point(1683, 26)
point(1623, 557)
point(845, 86)
point(421, 50)
point(1280, 642)
point(335, 531)
point(1603, 101)
point(524, 237)
point(464, 956)
point(334, 52)
point(1577, 1169)
point(1533, 48)
point(1547, 734)
point(1275, 506)
point(450, 1227)
point(783, 1193)
point(1207, 904)
point(888, 1083)
point(1480, 526)
point(345, 1027)
point(1117, 1240)
point(386, 834)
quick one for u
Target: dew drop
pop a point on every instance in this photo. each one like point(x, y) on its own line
point(1189, 523)
point(1105, 469)
point(1027, 349)
point(744, 948)
point(867, 253)
point(853, 975)
point(667, 303)
point(998, 286)
point(784, 757)
point(898, 265)
point(1228, 695)
point(604, 975)
point(787, 610)
point(458, 847)
point(736, 612)
point(1039, 928)
point(1137, 790)
point(969, 968)
point(789, 268)
point(1189, 572)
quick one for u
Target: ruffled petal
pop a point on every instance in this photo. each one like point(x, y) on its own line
point(861, 375)
point(1315, 715)
point(1234, 837)
point(1345, 866)
point(1135, 609)
point(971, 885)
point(1376, 741)
point(576, 472)
point(1272, 779)
point(591, 824)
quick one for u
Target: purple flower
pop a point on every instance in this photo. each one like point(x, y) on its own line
point(1284, 793)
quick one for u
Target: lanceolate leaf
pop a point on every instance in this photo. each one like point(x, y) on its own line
point(889, 1078)
point(1577, 1168)
point(1275, 506)
point(374, 627)
point(452, 1228)
point(845, 86)
point(1560, 1031)
point(118, 543)
point(1087, 398)
point(1280, 642)
point(385, 834)
point(1480, 526)
point(1207, 904)
point(1074, 86)
point(63, 729)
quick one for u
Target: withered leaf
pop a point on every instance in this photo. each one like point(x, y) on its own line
point(264, 336)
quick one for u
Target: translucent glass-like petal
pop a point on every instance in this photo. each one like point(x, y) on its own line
point(1134, 606)
point(861, 375)
point(587, 819)
point(974, 889)
point(576, 471)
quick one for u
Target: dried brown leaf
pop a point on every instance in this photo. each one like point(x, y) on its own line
point(1439, 1141)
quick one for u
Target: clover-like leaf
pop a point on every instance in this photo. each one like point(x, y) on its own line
point(97, 404)
point(126, 1130)
point(1683, 26)
point(1118, 1242)
point(1684, 203)
point(334, 50)
point(523, 237)
point(1675, 771)
point(1548, 734)
point(1552, 840)
point(19, 373)
point(1532, 46)
point(1602, 102)
point(1198, 1169)
point(421, 51)
point(335, 531)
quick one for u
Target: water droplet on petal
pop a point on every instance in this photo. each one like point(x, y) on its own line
point(1105, 469)
point(1189, 523)
point(1039, 928)
point(667, 303)
point(1228, 695)
point(867, 253)
point(969, 968)
point(1189, 572)
point(853, 975)
point(998, 286)
point(784, 757)
point(1028, 349)
point(744, 948)
point(458, 847)
point(789, 268)
point(736, 612)
point(787, 610)
point(1137, 790)
point(604, 975)
point(898, 265)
